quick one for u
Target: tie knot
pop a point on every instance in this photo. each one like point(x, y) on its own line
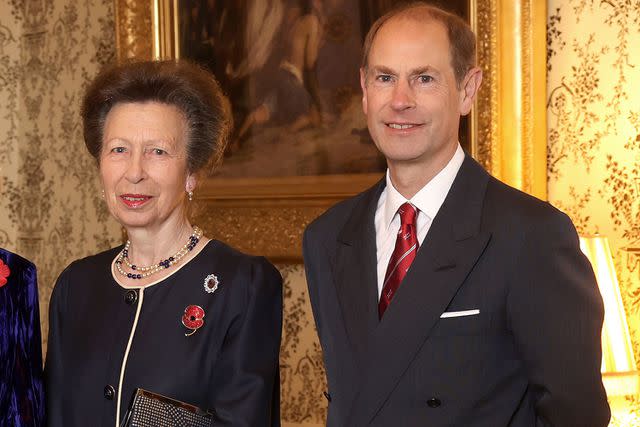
point(408, 214)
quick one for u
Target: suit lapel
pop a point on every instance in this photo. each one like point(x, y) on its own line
point(450, 249)
point(355, 271)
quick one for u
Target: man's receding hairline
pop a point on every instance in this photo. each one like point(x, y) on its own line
point(425, 16)
point(405, 15)
point(415, 13)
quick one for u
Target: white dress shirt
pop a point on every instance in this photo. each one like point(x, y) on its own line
point(428, 201)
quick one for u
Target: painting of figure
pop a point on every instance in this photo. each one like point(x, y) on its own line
point(290, 70)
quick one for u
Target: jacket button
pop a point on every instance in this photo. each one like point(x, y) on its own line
point(131, 297)
point(433, 402)
point(327, 396)
point(109, 392)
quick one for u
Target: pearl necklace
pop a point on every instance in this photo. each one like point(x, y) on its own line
point(123, 257)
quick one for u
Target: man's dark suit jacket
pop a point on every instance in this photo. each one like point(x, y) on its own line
point(530, 358)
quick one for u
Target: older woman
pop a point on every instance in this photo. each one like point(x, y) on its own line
point(171, 311)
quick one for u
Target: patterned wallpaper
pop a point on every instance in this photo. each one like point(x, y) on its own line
point(50, 210)
point(9, 63)
point(302, 375)
point(593, 111)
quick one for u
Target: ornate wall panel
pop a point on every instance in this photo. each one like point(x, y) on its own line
point(51, 211)
point(593, 110)
point(264, 228)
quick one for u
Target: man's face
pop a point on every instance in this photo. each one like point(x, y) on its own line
point(410, 96)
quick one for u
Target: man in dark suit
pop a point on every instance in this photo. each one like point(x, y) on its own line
point(443, 297)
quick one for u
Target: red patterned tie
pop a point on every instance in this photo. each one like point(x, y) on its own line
point(402, 256)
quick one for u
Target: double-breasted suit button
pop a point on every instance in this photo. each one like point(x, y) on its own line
point(434, 402)
point(109, 392)
point(327, 396)
point(131, 297)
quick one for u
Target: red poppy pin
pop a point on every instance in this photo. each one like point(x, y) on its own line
point(193, 319)
point(4, 273)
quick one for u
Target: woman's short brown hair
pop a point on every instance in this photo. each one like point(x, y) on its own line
point(188, 87)
point(462, 40)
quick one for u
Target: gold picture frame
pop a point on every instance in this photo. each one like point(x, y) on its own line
point(267, 215)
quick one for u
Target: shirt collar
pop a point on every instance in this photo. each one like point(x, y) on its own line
point(430, 197)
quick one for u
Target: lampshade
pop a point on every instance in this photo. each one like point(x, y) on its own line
point(618, 365)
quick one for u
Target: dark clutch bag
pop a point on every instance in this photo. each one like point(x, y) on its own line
point(149, 409)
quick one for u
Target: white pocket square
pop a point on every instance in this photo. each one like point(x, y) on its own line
point(447, 314)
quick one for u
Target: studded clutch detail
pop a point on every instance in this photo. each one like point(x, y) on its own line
point(149, 409)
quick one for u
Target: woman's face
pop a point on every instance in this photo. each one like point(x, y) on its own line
point(143, 165)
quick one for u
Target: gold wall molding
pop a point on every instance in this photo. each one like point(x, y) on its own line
point(508, 123)
point(511, 113)
point(134, 27)
point(260, 227)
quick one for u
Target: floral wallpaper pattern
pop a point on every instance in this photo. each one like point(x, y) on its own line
point(50, 210)
point(302, 374)
point(593, 111)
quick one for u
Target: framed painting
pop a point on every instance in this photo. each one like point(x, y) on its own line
point(290, 70)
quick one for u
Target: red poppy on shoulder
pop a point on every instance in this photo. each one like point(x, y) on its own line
point(4, 273)
point(193, 318)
